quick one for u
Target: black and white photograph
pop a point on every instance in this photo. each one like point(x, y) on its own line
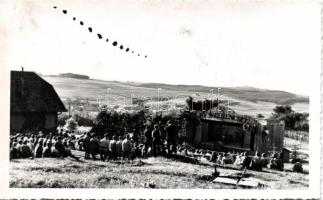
point(207, 97)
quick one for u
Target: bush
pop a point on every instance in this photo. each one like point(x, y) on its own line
point(83, 121)
point(71, 124)
point(117, 123)
point(61, 119)
point(293, 120)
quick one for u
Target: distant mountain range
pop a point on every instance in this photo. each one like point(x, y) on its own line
point(246, 93)
point(71, 75)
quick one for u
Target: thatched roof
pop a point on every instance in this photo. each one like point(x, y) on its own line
point(31, 93)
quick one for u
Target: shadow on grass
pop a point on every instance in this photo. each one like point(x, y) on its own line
point(304, 171)
point(14, 160)
point(157, 172)
point(185, 159)
point(45, 169)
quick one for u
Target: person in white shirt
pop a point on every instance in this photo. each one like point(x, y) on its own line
point(103, 147)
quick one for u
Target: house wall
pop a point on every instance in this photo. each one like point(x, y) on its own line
point(276, 136)
point(33, 121)
point(17, 121)
point(51, 121)
point(198, 134)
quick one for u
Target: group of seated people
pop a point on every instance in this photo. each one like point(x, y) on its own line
point(254, 162)
point(61, 144)
point(38, 146)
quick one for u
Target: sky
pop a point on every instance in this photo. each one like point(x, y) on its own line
point(264, 44)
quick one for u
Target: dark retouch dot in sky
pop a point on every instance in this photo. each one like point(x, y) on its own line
point(115, 43)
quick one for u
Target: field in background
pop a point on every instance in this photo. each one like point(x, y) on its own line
point(244, 100)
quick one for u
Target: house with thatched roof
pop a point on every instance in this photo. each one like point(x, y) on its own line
point(34, 103)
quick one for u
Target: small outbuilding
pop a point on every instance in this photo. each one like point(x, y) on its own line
point(34, 103)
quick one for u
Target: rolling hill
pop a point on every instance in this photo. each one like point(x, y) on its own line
point(244, 100)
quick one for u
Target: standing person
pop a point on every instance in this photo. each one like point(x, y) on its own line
point(171, 137)
point(157, 143)
point(94, 146)
point(126, 147)
point(119, 147)
point(113, 147)
point(86, 145)
point(149, 140)
point(104, 146)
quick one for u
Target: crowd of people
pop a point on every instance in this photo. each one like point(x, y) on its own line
point(158, 140)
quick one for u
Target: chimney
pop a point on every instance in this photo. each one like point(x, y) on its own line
point(22, 82)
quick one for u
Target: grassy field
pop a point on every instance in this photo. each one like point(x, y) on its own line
point(146, 173)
